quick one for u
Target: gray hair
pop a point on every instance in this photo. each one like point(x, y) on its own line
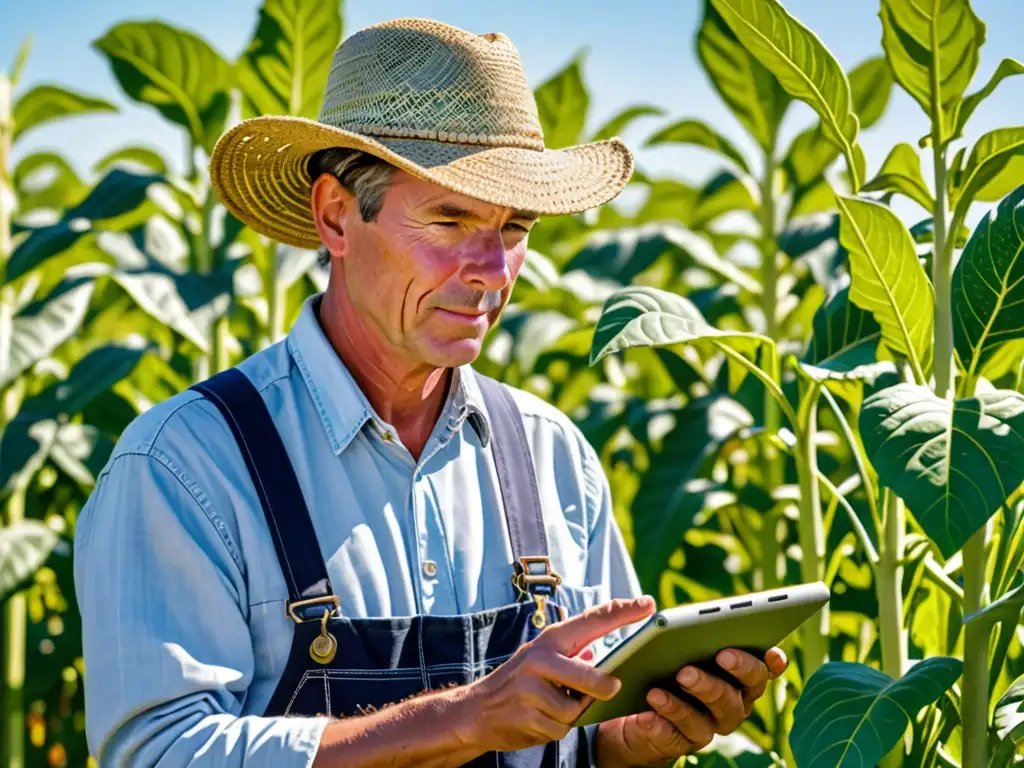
point(365, 177)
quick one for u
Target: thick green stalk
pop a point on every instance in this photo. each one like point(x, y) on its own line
point(771, 458)
point(942, 275)
point(814, 643)
point(15, 610)
point(889, 588)
point(275, 297)
point(974, 708)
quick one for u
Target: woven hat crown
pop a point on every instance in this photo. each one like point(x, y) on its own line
point(421, 79)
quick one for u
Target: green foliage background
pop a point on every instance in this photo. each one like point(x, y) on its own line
point(845, 407)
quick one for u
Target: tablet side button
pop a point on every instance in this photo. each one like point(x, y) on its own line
point(744, 604)
point(709, 610)
point(776, 598)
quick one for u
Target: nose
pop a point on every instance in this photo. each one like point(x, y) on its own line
point(485, 266)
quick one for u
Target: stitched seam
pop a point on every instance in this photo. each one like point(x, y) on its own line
point(423, 662)
point(295, 693)
point(406, 673)
point(152, 442)
point(296, 356)
point(199, 496)
point(327, 696)
point(273, 514)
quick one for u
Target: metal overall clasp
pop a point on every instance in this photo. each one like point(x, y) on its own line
point(535, 577)
point(324, 645)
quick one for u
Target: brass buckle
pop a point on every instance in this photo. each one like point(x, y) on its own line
point(524, 577)
point(290, 607)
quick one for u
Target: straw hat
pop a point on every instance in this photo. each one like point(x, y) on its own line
point(440, 103)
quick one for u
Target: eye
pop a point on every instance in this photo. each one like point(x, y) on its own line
point(448, 224)
point(520, 227)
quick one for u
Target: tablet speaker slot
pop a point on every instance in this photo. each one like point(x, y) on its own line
point(709, 610)
point(776, 598)
point(745, 604)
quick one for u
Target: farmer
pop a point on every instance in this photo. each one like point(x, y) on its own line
point(350, 549)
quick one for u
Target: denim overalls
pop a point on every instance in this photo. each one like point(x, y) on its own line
point(343, 667)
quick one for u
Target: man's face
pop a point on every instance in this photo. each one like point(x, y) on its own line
point(435, 269)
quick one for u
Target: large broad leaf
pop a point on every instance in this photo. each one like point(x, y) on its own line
point(932, 44)
point(24, 548)
point(801, 63)
point(285, 67)
point(82, 451)
point(1007, 68)
point(46, 103)
point(993, 168)
point(133, 157)
point(117, 194)
point(622, 120)
point(173, 70)
point(850, 715)
point(90, 377)
point(47, 180)
point(901, 172)
point(622, 254)
point(811, 154)
point(668, 200)
point(887, 278)
point(843, 341)
point(724, 193)
point(1009, 714)
point(562, 103)
point(699, 134)
point(44, 325)
point(988, 285)
point(647, 317)
point(750, 91)
point(672, 490)
point(953, 462)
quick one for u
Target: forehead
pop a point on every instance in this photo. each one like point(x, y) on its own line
point(427, 197)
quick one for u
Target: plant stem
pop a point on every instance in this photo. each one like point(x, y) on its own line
point(771, 459)
point(811, 528)
point(942, 274)
point(275, 297)
point(889, 587)
point(974, 707)
point(15, 609)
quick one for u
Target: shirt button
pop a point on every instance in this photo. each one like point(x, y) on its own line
point(429, 568)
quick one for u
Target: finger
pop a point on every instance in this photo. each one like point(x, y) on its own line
point(694, 727)
point(555, 703)
point(723, 700)
point(577, 632)
point(776, 662)
point(749, 670)
point(539, 723)
point(574, 674)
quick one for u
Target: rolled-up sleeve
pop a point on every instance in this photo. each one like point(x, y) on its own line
point(168, 653)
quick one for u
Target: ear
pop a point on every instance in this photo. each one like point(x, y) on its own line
point(331, 204)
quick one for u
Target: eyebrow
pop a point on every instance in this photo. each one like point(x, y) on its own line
point(453, 211)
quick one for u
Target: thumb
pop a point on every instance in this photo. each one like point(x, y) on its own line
point(570, 636)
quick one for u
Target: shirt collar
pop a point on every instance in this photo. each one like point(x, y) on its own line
point(343, 407)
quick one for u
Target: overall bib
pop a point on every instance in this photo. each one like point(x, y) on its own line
point(342, 666)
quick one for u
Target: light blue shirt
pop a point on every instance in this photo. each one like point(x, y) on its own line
point(182, 598)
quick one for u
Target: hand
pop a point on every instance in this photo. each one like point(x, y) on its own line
point(675, 728)
point(524, 702)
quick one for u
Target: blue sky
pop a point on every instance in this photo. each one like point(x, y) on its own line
point(639, 52)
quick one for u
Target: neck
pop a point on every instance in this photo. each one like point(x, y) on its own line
point(406, 394)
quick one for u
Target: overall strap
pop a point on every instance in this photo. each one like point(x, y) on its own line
point(276, 485)
point(519, 491)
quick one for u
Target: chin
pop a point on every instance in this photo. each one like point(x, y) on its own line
point(453, 353)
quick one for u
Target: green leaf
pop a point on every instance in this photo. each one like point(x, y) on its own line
point(81, 451)
point(993, 169)
point(47, 103)
point(44, 325)
point(699, 134)
point(887, 279)
point(724, 193)
point(668, 200)
point(622, 254)
point(618, 123)
point(148, 159)
point(802, 64)
point(1009, 713)
point(90, 377)
point(901, 172)
point(60, 186)
point(639, 316)
point(24, 548)
point(284, 69)
point(158, 294)
point(749, 90)
point(1007, 68)
point(850, 715)
point(118, 193)
point(1006, 609)
point(562, 103)
point(19, 60)
point(987, 291)
point(911, 437)
point(673, 490)
point(909, 31)
point(810, 154)
point(843, 342)
point(174, 71)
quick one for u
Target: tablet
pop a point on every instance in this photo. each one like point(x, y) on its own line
point(694, 634)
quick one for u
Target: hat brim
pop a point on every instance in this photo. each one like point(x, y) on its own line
point(258, 170)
